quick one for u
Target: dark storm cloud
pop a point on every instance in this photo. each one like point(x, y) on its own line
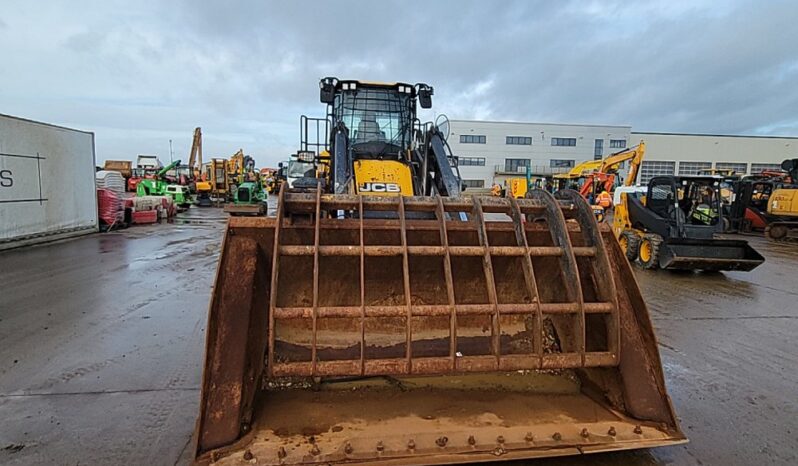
point(140, 73)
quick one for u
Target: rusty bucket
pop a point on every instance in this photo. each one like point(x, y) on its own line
point(427, 330)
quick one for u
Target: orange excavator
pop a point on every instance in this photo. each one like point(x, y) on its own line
point(603, 180)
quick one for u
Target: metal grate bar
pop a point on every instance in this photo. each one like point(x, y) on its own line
point(353, 250)
point(362, 291)
point(275, 272)
point(487, 265)
point(561, 238)
point(432, 310)
point(316, 233)
point(529, 277)
point(601, 266)
point(406, 278)
point(442, 365)
point(447, 272)
point(305, 202)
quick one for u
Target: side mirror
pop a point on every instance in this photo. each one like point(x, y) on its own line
point(425, 95)
point(327, 90)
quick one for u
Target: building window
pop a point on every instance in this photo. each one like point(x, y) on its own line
point(739, 168)
point(651, 168)
point(471, 161)
point(516, 165)
point(598, 151)
point(693, 168)
point(571, 142)
point(519, 140)
point(558, 163)
point(617, 143)
point(760, 167)
point(472, 139)
point(474, 183)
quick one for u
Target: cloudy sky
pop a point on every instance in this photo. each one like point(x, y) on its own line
point(139, 73)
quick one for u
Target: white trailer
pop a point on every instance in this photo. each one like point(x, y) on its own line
point(148, 162)
point(47, 185)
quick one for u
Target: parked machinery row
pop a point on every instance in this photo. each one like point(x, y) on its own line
point(674, 224)
point(766, 202)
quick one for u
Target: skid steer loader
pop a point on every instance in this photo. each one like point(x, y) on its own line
point(384, 318)
point(675, 226)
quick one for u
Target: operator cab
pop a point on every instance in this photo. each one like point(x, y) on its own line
point(379, 117)
point(689, 202)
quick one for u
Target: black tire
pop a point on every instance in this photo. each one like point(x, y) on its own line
point(648, 253)
point(776, 232)
point(632, 244)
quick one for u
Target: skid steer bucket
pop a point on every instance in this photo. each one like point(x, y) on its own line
point(444, 331)
point(709, 254)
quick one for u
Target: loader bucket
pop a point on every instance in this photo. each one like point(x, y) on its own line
point(444, 331)
point(708, 254)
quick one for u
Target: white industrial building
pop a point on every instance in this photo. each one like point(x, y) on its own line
point(686, 154)
point(493, 151)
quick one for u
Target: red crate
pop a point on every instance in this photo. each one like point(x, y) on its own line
point(145, 216)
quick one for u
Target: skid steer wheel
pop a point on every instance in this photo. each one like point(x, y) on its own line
point(630, 244)
point(649, 251)
point(776, 232)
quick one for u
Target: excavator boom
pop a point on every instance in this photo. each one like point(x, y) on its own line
point(195, 156)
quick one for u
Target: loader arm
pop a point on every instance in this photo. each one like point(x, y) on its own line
point(341, 160)
point(446, 182)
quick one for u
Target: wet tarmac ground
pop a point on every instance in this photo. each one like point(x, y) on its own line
point(101, 345)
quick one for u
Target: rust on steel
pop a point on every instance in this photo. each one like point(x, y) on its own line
point(601, 264)
point(487, 265)
point(440, 216)
point(359, 286)
point(278, 222)
point(539, 205)
point(529, 275)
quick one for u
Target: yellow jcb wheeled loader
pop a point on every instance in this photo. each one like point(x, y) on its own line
point(383, 318)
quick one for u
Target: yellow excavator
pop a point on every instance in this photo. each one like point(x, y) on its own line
point(213, 186)
point(380, 316)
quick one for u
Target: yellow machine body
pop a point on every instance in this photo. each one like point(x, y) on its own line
point(383, 178)
point(784, 202)
point(518, 187)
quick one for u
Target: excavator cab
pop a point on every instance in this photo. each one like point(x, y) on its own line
point(383, 317)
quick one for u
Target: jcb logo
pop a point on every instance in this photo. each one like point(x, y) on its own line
point(379, 188)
